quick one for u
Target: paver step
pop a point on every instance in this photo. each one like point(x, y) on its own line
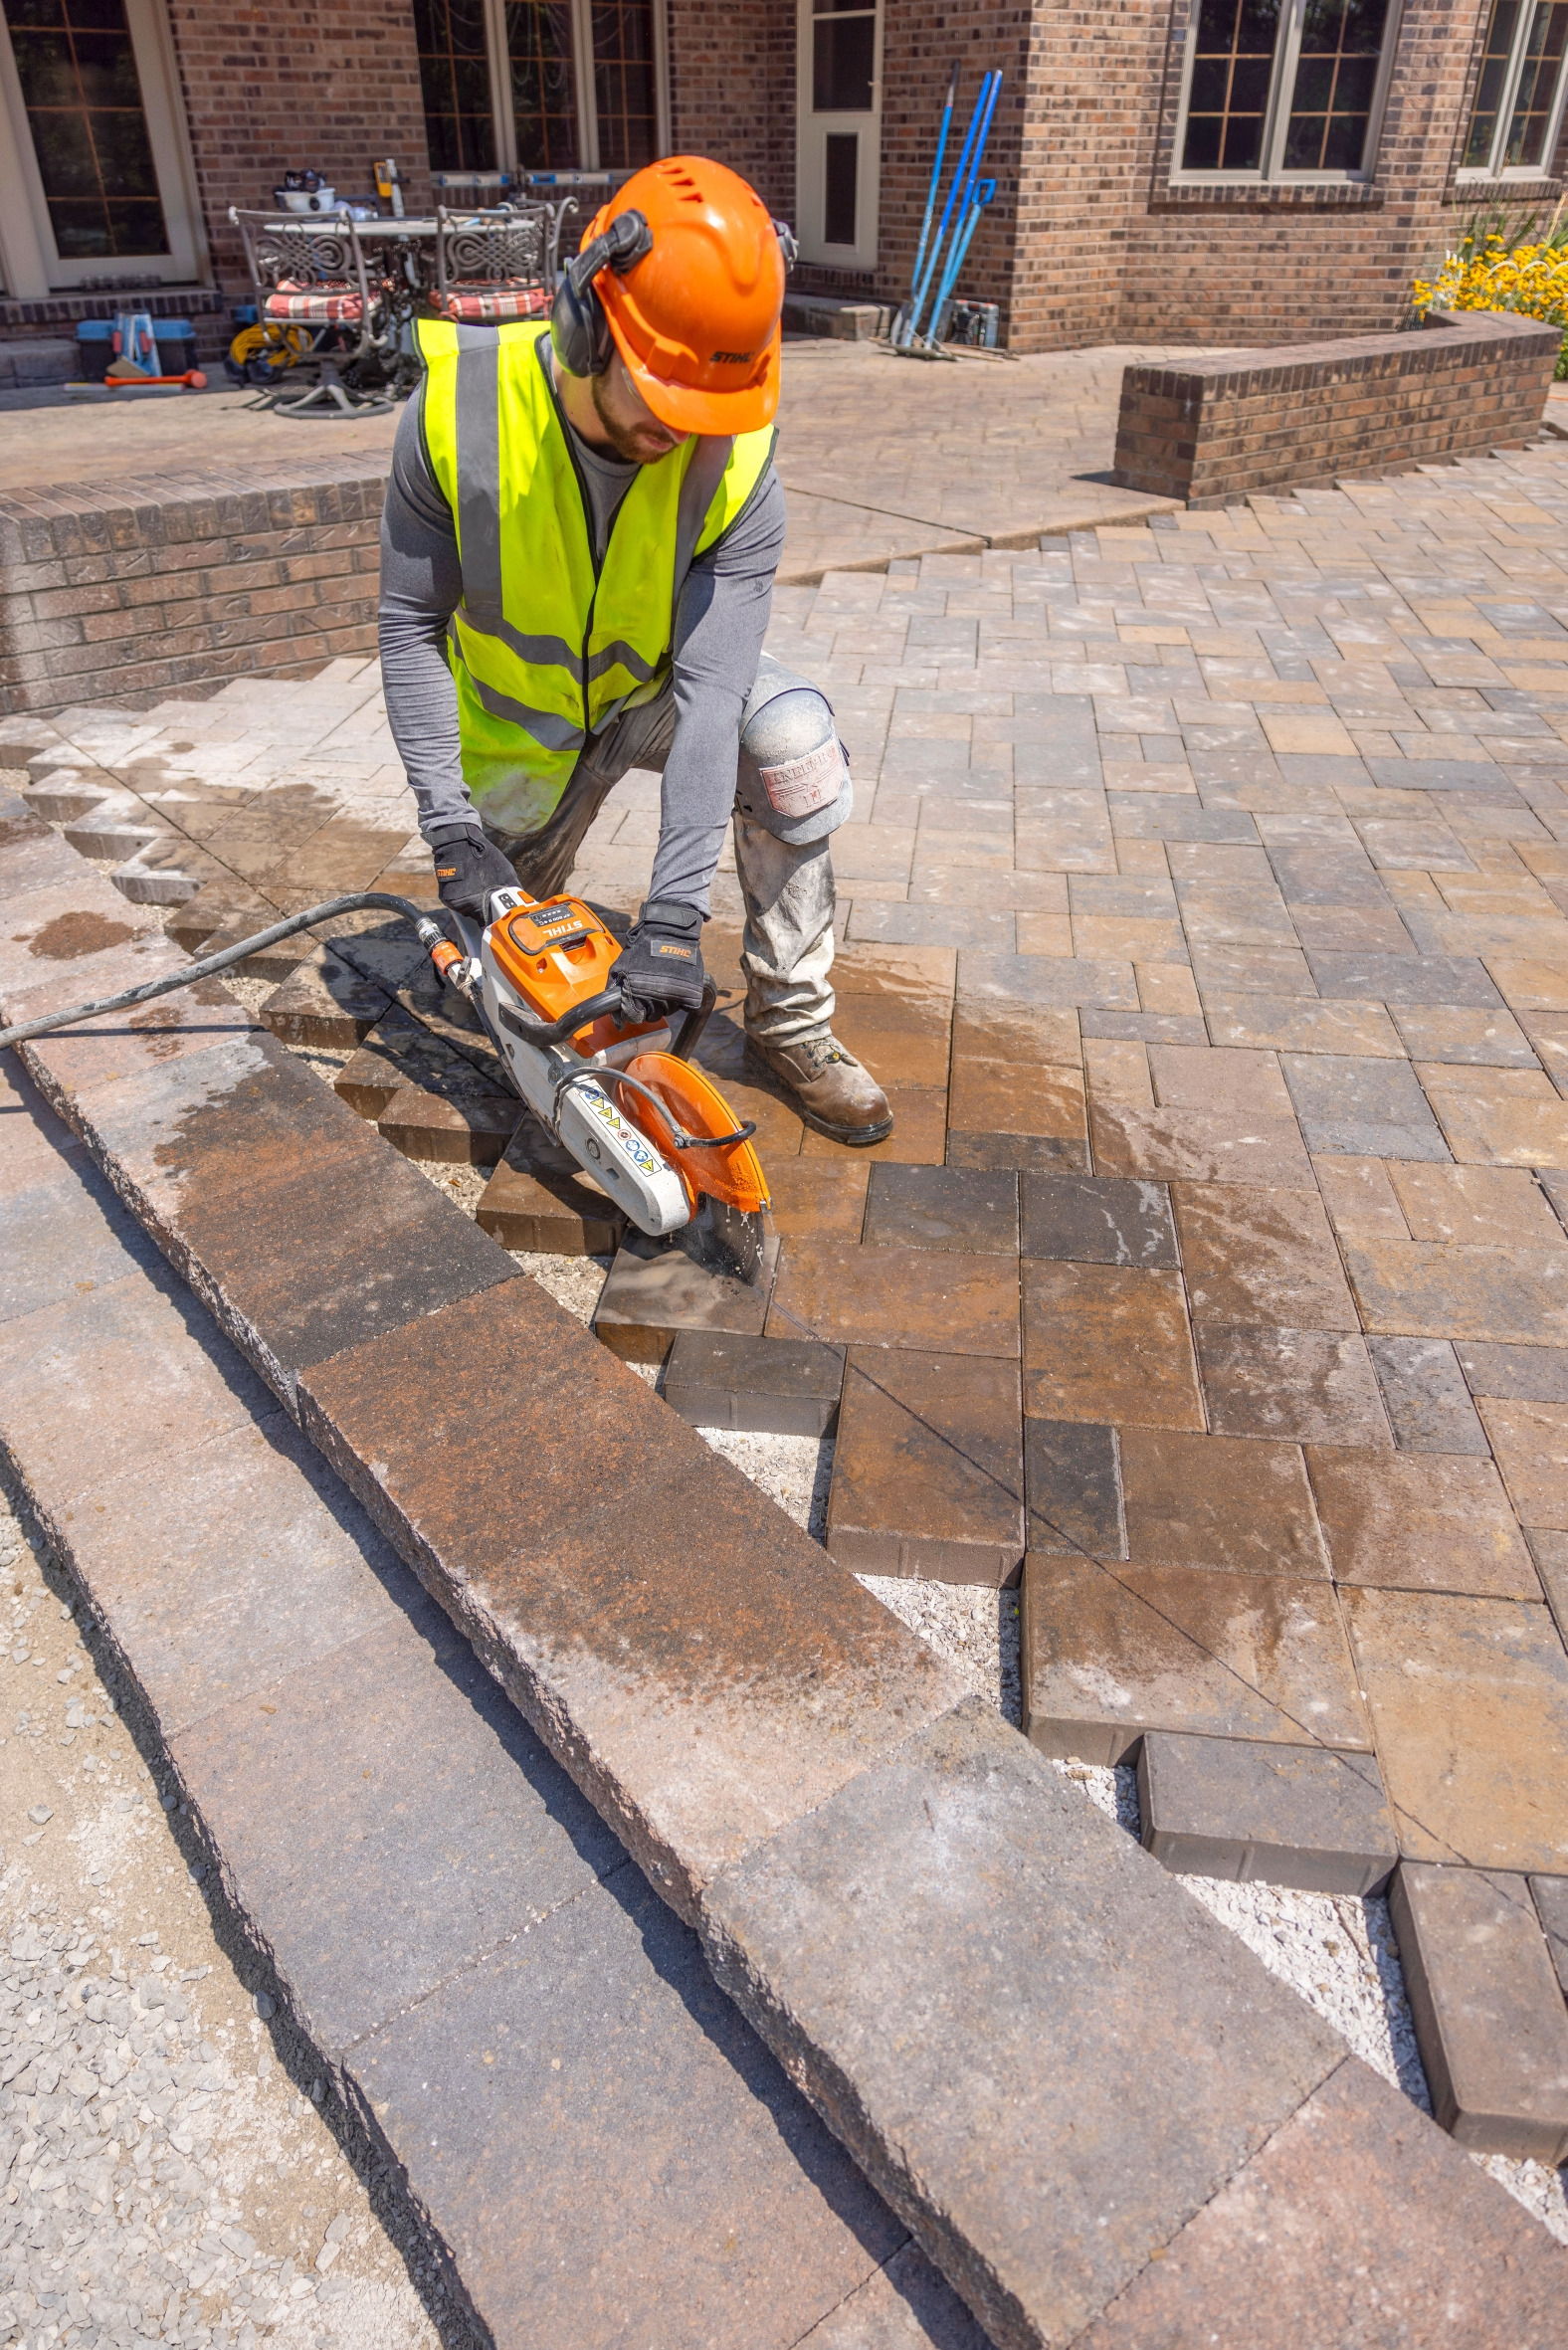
point(584, 2123)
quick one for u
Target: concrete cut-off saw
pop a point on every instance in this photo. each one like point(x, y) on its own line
point(625, 1099)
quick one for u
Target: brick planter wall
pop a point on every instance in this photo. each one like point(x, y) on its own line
point(141, 587)
point(1310, 412)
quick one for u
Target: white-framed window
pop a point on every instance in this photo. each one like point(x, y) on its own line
point(1289, 90)
point(544, 85)
point(96, 177)
point(1517, 115)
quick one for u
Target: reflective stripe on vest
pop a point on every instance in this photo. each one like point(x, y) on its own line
point(544, 650)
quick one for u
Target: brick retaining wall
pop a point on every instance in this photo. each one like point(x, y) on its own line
point(1312, 412)
point(180, 579)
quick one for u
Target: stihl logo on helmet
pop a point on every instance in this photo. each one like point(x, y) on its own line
point(733, 358)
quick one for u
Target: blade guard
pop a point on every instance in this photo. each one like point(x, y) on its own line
point(729, 1172)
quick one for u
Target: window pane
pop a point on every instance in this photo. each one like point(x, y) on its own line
point(624, 82)
point(843, 157)
point(1228, 97)
point(842, 56)
point(543, 85)
point(83, 95)
point(1539, 82)
point(1331, 103)
point(454, 73)
point(1482, 136)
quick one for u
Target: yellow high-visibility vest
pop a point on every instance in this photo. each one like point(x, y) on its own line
point(545, 650)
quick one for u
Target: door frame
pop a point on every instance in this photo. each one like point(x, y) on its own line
point(33, 267)
point(811, 134)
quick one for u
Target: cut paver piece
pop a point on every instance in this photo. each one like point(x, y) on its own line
point(1469, 1699)
point(1073, 1482)
point(1259, 1812)
point(1106, 1343)
point(944, 1208)
point(1097, 1220)
point(456, 1127)
point(782, 1386)
point(1124, 2104)
point(1254, 1255)
point(1110, 1653)
point(929, 1299)
point(1488, 2008)
point(655, 1289)
point(539, 1199)
point(1237, 1502)
point(1419, 1523)
point(1426, 1397)
point(927, 1470)
point(325, 1001)
point(1304, 1385)
point(1349, 2228)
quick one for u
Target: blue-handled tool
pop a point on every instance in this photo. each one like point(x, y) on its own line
point(960, 181)
point(902, 319)
point(985, 189)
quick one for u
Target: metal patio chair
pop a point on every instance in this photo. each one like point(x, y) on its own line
point(497, 264)
point(316, 273)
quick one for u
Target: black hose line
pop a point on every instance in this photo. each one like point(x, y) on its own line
point(426, 926)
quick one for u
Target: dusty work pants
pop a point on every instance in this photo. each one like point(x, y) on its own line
point(786, 882)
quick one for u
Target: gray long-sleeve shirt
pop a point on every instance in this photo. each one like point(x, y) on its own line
point(720, 621)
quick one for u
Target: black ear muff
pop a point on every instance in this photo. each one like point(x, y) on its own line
point(579, 329)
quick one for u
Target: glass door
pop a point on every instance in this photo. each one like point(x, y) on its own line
point(93, 185)
point(838, 105)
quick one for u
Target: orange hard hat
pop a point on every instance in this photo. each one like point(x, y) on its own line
point(696, 319)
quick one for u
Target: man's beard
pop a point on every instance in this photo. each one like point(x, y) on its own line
point(624, 439)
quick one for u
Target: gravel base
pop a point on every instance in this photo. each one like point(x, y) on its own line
point(162, 2178)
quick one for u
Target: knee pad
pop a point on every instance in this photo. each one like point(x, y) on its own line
point(793, 777)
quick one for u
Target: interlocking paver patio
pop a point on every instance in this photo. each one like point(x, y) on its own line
point(1218, 866)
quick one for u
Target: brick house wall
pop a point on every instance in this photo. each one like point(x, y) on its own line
point(1285, 264)
point(1087, 241)
point(274, 85)
point(732, 91)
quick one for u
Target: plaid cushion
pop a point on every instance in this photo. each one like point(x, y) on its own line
point(326, 305)
point(489, 305)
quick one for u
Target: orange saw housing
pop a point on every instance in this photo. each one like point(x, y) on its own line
point(556, 952)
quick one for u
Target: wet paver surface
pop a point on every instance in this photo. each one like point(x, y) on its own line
point(1205, 909)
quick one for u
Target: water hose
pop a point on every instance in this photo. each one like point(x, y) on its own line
point(427, 928)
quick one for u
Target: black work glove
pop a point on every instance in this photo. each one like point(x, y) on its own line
point(468, 869)
point(659, 968)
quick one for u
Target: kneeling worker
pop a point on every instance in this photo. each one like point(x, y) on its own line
point(578, 550)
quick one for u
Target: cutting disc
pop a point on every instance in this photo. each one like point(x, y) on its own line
point(729, 1172)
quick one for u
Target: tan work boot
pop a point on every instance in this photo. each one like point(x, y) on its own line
point(832, 1090)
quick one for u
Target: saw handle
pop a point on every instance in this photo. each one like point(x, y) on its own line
point(607, 1004)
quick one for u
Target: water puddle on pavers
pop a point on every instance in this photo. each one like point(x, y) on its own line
point(1336, 1951)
